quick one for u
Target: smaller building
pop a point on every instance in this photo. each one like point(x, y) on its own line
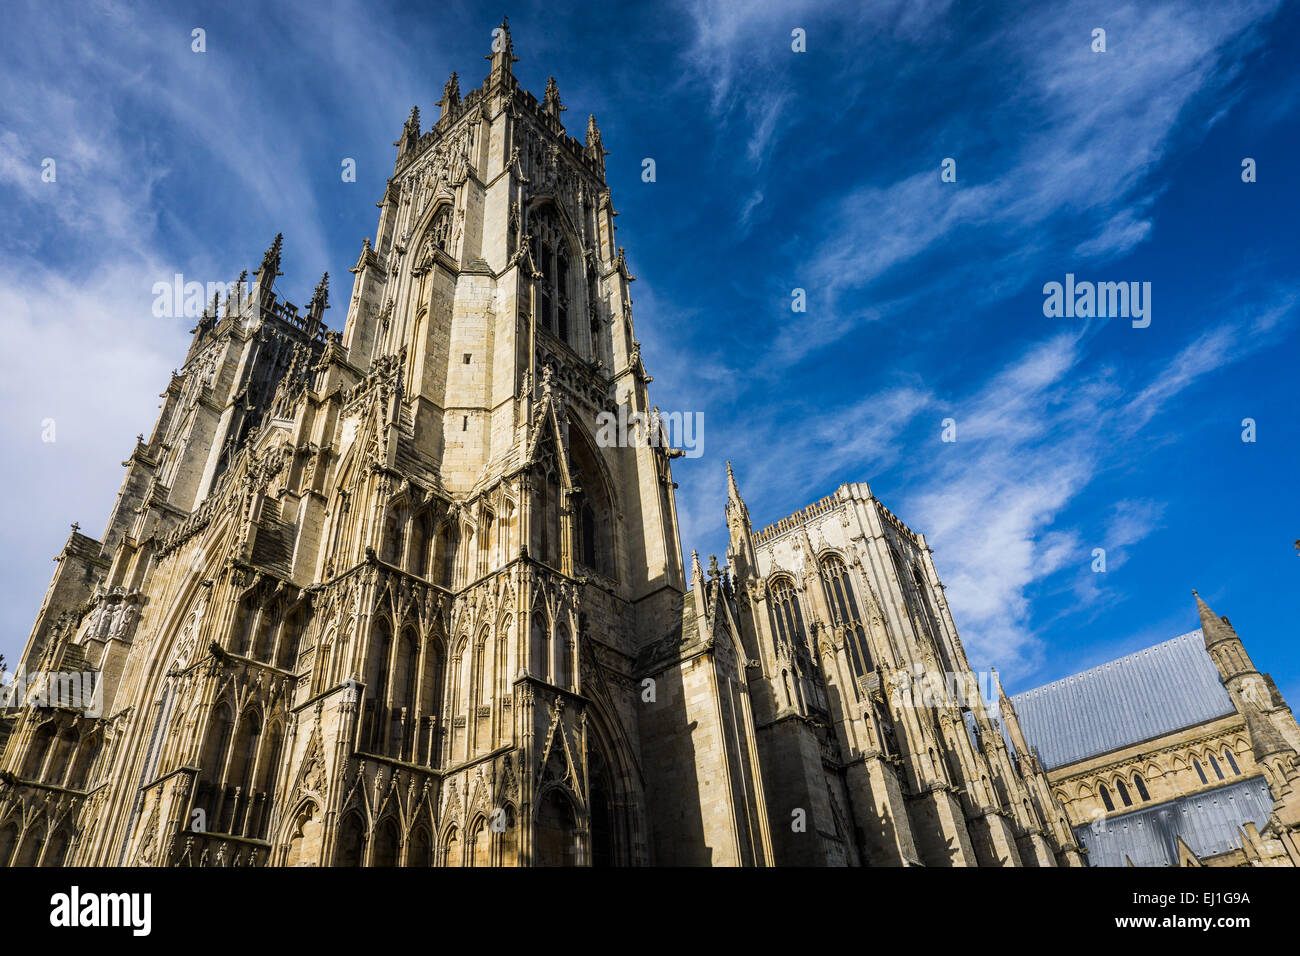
point(1180, 754)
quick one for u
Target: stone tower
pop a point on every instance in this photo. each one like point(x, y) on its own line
point(377, 598)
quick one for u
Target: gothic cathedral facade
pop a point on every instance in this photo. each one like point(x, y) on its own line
point(382, 598)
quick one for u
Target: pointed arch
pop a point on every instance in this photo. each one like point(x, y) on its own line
point(594, 506)
point(351, 849)
point(555, 830)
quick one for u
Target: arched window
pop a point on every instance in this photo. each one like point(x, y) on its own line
point(510, 838)
point(1141, 786)
point(480, 843)
point(245, 622)
point(1105, 797)
point(440, 228)
point(405, 663)
point(352, 841)
point(8, 841)
point(448, 545)
point(1214, 765)
point(387, 840)
point(291, 638)
point(418, 850)
point(551, 258)
point(563, 657)
point(61, 761)
point(221, 727)
point(87, 751)
point(1122, 789)
point(539, 649)
point(787, 618)
point(555, 832)
point(377, 687)
point(593, 508)
point(844, 613)
point(1227, 755)
point(263, 643)
point(38, 749)
point(420, 534)
point(1200, 771)
point(451, 852)
point(268, 769)
point(391, 547)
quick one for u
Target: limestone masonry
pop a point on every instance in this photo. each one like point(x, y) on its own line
point(380, 598)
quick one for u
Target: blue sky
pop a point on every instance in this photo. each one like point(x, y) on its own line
point(775, 170)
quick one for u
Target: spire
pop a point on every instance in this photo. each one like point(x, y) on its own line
point(697, 572)
point(740, 544)
point(269, 270)
point(450, 94)
point(735, 503)
point(320, 301)
point(410, 134)
point(270, 267)
point(595, 152)
point(322, 291)
point(503, 52)
point(1011, 720)
point(1214, 629)
point(551, 99)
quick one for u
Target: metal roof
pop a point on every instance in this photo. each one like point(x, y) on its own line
point(1208, 823)
point(1147, 694)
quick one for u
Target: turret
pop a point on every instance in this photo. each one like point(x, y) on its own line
point(595, 149)
point(319, 303)
point(740, 550)
point(551, 99)
point(1252, 695)
point(410, 135)
point(450, 96)
point(269, 271)
point(502, 55)
point(1012, 722)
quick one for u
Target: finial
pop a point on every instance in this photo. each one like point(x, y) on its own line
point(271, 260)
point(551, 99)
point(502, 45)
point(450, 93)
point(322, 292)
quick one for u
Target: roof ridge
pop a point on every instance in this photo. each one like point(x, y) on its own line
point(1132, 655)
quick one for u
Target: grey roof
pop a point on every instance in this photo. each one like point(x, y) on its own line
point(1208, 823)
point(1146, 694)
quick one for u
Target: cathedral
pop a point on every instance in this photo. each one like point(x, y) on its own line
point(385, 597)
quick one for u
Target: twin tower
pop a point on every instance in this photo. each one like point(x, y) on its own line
point(381, 598)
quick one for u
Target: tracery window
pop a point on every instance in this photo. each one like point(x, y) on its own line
point(845, 619)
point(787, 618)
point(550, 251)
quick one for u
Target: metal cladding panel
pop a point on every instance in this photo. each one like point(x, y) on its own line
point(1147, 694)
point(1207, 822)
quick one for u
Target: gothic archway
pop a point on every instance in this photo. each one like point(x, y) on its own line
point(555, 835)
